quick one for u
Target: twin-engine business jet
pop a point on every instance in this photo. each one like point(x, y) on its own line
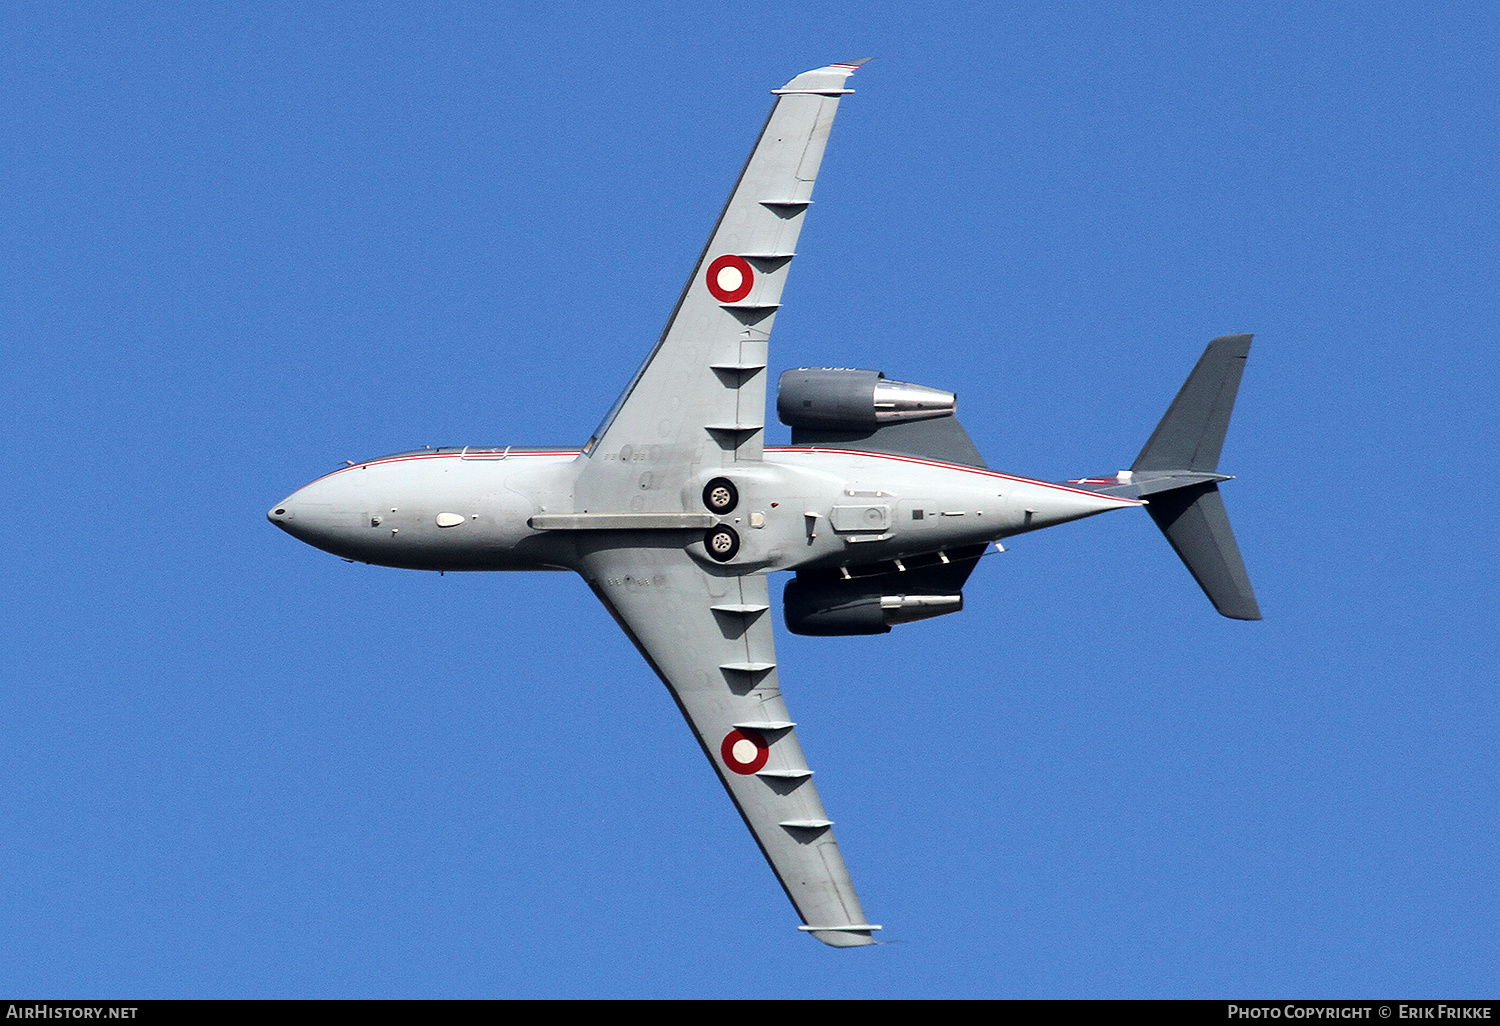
point(675, 511)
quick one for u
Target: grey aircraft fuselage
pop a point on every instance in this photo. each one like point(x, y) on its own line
point(802, 508)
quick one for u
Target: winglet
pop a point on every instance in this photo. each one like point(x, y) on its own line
point(825, 81)
point(850, 935)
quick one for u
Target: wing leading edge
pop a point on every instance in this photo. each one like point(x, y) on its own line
point(699, 400)
point(709, 639)
point(698, 404)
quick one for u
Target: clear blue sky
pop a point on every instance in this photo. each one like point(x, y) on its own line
point(242, 243)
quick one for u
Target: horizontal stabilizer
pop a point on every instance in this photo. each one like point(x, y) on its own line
point(1195, 522)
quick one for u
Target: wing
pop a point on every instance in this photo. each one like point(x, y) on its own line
point(699, 400)
point(709, 639)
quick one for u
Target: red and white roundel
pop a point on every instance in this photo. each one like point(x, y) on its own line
point(729, 278)
point(744, 751)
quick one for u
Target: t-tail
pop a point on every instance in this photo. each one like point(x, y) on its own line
point(1178, 474)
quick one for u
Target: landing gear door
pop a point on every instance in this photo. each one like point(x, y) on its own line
point(862, 517)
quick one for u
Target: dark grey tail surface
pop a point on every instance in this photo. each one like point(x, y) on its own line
point(1188, 442)
point(1194, 521)
point(1191, 435)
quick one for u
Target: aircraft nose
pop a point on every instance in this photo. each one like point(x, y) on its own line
point(282, 514)
point(319, 514)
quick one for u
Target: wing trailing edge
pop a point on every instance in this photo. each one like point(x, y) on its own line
point(699, 399)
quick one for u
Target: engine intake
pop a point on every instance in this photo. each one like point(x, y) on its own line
point(818, 397)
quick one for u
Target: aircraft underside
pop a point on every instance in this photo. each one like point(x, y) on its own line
point(803, 509)
point(675, 511)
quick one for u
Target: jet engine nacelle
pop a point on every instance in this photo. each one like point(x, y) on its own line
point(828, 608)
point(818, 397)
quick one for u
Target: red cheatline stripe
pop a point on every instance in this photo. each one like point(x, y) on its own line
point(949, 466)
point(452, 455)
point(778, 449)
